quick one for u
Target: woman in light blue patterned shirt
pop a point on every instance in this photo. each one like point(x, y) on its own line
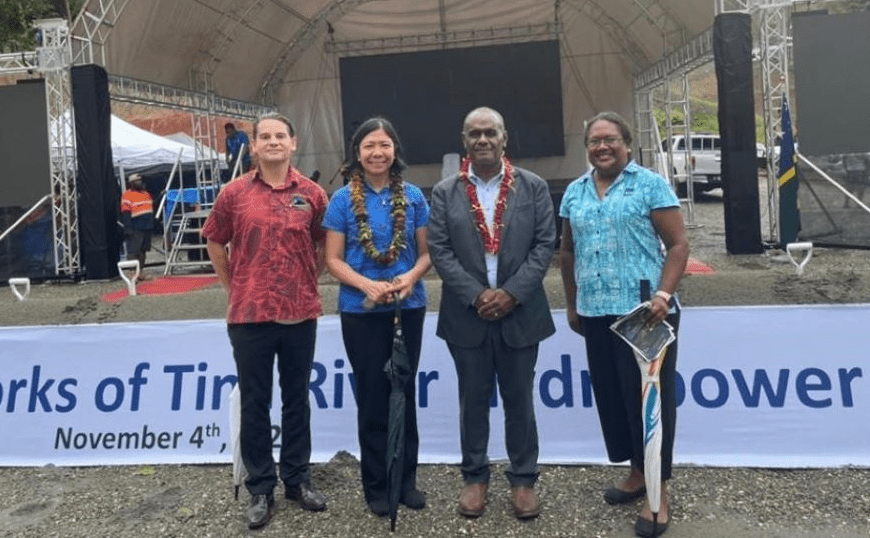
point(622, 226)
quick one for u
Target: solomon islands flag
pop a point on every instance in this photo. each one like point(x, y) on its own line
point(789, 215)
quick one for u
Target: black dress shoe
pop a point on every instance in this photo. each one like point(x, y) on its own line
point(648, 529)
point(614, 495)
point(413, 499)
point(379, 507)
point(309, 498)
point(259, 511)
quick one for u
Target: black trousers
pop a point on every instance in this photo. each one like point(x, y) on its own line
point(255, 346)
point(616, 385)
point(368, 341)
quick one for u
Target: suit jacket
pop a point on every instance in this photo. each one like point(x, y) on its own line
point(528, 241)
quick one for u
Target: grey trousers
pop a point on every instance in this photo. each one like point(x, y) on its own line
point(477, 370)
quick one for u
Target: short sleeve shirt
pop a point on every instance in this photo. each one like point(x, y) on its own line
point(340, 218)
point(615, 244)
point(234, 145)
point(274, 235)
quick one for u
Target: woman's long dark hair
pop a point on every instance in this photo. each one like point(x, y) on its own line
point(367, 127)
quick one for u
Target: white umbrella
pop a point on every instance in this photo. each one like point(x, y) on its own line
point(650, 345)
point(651, 407)
point(239, 471)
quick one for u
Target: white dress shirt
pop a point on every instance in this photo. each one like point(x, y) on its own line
point(487, 195)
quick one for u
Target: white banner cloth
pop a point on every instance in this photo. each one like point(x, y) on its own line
point(758, 386)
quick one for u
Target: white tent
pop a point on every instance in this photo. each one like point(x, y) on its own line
point(183, 138)
point(135, 149)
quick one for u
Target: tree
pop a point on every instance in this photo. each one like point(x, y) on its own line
point(16, 23)
point(16, 20)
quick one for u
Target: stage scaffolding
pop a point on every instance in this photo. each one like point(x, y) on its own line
point(62, 49)
point(773, 20)
point(59, 50)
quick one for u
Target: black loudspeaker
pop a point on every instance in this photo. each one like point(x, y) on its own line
point(99, 192)
point(732, 52)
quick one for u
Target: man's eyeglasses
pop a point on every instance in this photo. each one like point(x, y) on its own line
point(609, 141)
point(474, 134)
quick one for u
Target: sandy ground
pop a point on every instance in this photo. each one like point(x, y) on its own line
point(197, 500)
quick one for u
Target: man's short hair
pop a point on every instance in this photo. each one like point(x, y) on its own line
point(274, 116)
point(499, 119)
point(229, 125)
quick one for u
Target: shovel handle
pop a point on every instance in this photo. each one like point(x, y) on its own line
point(398, 317)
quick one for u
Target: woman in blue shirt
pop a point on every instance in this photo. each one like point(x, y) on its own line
point(376, 247)
point(617, 218)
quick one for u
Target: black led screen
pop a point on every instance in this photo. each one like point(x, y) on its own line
point(832, 72)
point(426, 95)
point(24, 144)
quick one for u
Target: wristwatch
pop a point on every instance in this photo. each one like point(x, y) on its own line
point(669, 299)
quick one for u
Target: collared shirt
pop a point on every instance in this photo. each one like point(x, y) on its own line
point(340, 218)
point(274, 234)
point(487, 195)
point(615, 244)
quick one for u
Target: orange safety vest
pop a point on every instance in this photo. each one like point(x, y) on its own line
point(136, 203)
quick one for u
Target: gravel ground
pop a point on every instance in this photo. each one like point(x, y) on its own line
point(190, 500)
point(197, 501)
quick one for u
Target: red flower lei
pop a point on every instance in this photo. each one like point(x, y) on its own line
point(397, 212)
point(491, 241)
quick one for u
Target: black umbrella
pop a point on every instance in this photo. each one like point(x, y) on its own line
point(398, 370)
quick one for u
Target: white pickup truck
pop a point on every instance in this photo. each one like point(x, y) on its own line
point(705, 166)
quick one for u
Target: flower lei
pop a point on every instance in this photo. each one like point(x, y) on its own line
point(491, 241)
point(397, 212)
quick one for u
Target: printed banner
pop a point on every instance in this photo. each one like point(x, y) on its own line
point(757, 386)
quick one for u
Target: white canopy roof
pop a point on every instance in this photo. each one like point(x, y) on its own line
point(288, 46)
point(134, 148)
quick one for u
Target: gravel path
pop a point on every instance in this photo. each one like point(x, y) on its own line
point(197, 501)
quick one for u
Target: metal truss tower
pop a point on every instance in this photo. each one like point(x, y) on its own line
point(775, 40)
point(91, 29)
point(205, 134)
point(54, 58)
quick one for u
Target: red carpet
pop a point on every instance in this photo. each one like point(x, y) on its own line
point(695, 267)
point(164, 285)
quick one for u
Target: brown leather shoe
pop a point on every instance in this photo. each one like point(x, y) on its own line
point(526, 502)
point(472, 500)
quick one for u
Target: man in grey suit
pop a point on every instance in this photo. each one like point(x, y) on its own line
point(492, 234)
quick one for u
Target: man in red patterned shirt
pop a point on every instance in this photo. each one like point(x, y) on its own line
point(270, 218)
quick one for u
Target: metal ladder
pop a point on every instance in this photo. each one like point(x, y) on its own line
point(184, 226)
point(185, 237)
